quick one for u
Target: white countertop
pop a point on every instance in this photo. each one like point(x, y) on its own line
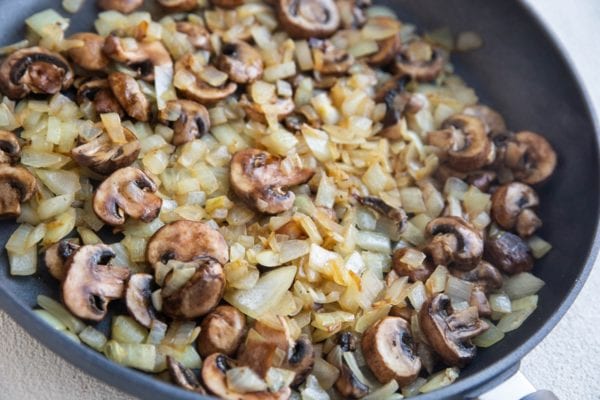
point(566, 362)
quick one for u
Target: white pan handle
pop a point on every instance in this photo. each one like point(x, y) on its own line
point(517, 387)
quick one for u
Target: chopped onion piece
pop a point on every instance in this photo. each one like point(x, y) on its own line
point(522, 284)
point(23, 264)
point(539, 247)
point(112, 124)
point(72, 6)
point(500, 303)
point(385, 392)
point(490, 337)
point(93, 338)
point(244, 380)
point(440, 380)
point(50, 319)
point(417, 295)
point(135, 355)
point(458, 289)
point(325, 373)
point(515, 319)
point(61, 313)
point(525, 303)
point(127, 330)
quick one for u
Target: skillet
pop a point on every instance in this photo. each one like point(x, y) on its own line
point(522, 73)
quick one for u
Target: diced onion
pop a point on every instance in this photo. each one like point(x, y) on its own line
point(521, 285)
point(539, 247)
point(244, 380)
point(61, 313)
point(500, 303)
point(93, 338)
point(135, 355)
point(384, 392)
point(50, 319)
point(440, 380)
point(325, 373)
point(23, 264)
point(513, 320)
point(126, 330)
point(490, 337)
point(458, 289)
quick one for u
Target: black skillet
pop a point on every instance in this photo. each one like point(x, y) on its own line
point(521, 72)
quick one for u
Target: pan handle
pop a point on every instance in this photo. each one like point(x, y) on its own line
point(517, 387)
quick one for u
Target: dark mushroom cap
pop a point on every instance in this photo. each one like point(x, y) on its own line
point(388, 47)
point(90, 56)
point(178, 5)
point(127, 191)
point(90, 283)
point(221, 331)
point(449, 333)
point(509, 253)
point(123, 6)
point(184, 377)
point(257, 178)
point(189, 120)
point(56, 257)
point(410, 61)
point(531, 157)
point(10, 148)
point(227, 3)
point(330, 60)
point(454, 242)
point(390, 352)
point(36, 70)
point(201, 91)
point(197, 35)
point(473, 151)
point(484, 275)
point(492, 120)
point(138, 298)
point(129, 95)
point(511, 207)
point(143, 59)
point(99, 93)
point(301, 359)
point(308, 18)
point(414, 273)
point(241, 61)
point(17, 185)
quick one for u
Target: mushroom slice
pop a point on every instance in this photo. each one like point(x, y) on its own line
point(531, 157)
point(221, 331)
point(420, 61)
point(186, 241)
point(454, 242)
point(449, 333)
point(258, 178)
point(227, 3)
point(10, 148)
point(90, 283)
point(184, 377)
point(390, 352)
point(348, 384)
point(17, 185)
point(142, 58)
point(90, 55)
point(129, 95)
point(127, 191)
point(190, 80)
point(398, 102)
point(197, 35)
point(36, 70)
point(492, 120)
point(138, 298)
point(99, 93)
point(56, 257)
point(484, 275)
point(396, 214)
point(308, 18)
point(511, 207)
point(470, 147)
point(328, 59)
point(240, 61)
point(388, 47)
point(509, 253)
point(123, 6)
point(278, 108)
point(301, 359)
point(178, 5)
point(189, 120)
point(353, 13)
point(104, 157)
point(414, 272)
point(214, 369)
point(479, 300)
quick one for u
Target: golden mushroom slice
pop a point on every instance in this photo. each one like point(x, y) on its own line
point(138, 298)
point(390, 351)
point(258, 178)
point(178, 5)
point(126, 192)
point(242, 62)
point(17, 185)
point(221, 331)
point(388, 47)
point(123, 6)
point(10, 148)
point(56, 257)
point(141, 57)
point(130, 96)
point(454, 242)
point(308, 18)
point(98, 92)
point(90, 55)
point(512, 205)
point(34, 70)
point(353, 13)
point(188, 119)
point(531, 157)
point(419, 60)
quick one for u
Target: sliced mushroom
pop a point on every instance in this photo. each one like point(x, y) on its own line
point(420, 61)
point(221, 331)
point(127, 191)
point(414, 272)
point(482, 180)
point(10, 148)
point(398, 103)
point(227, 3)
point(353, 13)
point(258, 178)
point(129, 95)
point(189, 81)
point(279, 108)
point(395, 214)
point(388, 47)
point(531, 158)
point(123, 6)
point(104, 157)
point(448, 333)
point(17, 185)
point(328, 59)
point(301, 359)
point(142, 58)
point(34, 70)
point(492, 120)
point(348, 384)
point(138, 298)
point(308, 18)
point(90, 55)
point(240, 61)
point(56, 257)
point(511, 208)
point(178, 5)
point(90, 283)
point(480, 301)
point(390, 352)
point(99, 93)
point(197, 35)
point(186, 241)
point(485, 276)
point(189, 120)
point(454, 242)
point(509, 253)
point(184, 377)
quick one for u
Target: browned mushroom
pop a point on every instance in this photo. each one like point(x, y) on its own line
point(531, 157)
point(56, 257)
point(184, 377)
point(191, 82)
point(508, 252)
point(347, 383)
point(104, 157)
point(99, 93)
point(178, 5)
point(448, 333)
point(301, 359)
point(484, 275)
point(454, 242)
point(129, 95)
point(482, 180)
point(17, 185)
point(511, 208)
point(388, 47)
point(127, 191)
point(353, 13)
point(278, 107)
point(227, 3)
point(308, 18)
point(328, 59)
point(480, 301)
point(221, 331)
point(186, 241)
point(398, 102)
point(414, 272)
point(492, 120)
point(395, 214)
point(142, 58)
point(257, 178)
point(138, 298)
point(197, 35)
point(34, 70)
point(189, 120)
point(90, 283)
point(90, 55)
point(123, 6)
point(390, 352)
point(420, 61)
point(240, 61)
point(10, 148)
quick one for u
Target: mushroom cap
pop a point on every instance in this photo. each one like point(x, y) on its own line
point(509, 201)
point(257, 177)
point(449, 333)
point(200, 294)
point(127, 191)
point(104, 157)
point(138, 298)
point(123, 6)
point(474, 151)
point(227, 3)
point(531, 157)
point(242, 62)
point(142, 59)
point(484, 275)
point(199, 90)
point(36, 70)
point(186, 241)
point(10, 148)
point(414, 273)
point(330, 60)
point(56, 257)
point(301, 359)
point(454, 242)
point(390, 352)
point(388, 47)
point(178, 5)
point(99, 93)
point(492, 119)
point(509, 253)
point(410, 61)
point(90, 283)
point(308, 18)
point(129, 95)
point(184, 377)
point(189, 120)
point(17, 185)
point(221, 331)
point(90, 55)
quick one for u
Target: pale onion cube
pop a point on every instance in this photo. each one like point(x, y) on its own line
point(303, 55)
point(318, 143)
point(60, 182)
point(522, 284)
point(54, 206)
point(134, 355)
point(42, 21)
point(539, 247)
point(326, 192)
point(60, 226)
point(112, 124)
point(50, 319)
point(412, 200)
point(93, 338)
point(18, 239)
point(23, 264)
point(279, 71)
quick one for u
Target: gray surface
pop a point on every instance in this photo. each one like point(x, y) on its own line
point(567, 361)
